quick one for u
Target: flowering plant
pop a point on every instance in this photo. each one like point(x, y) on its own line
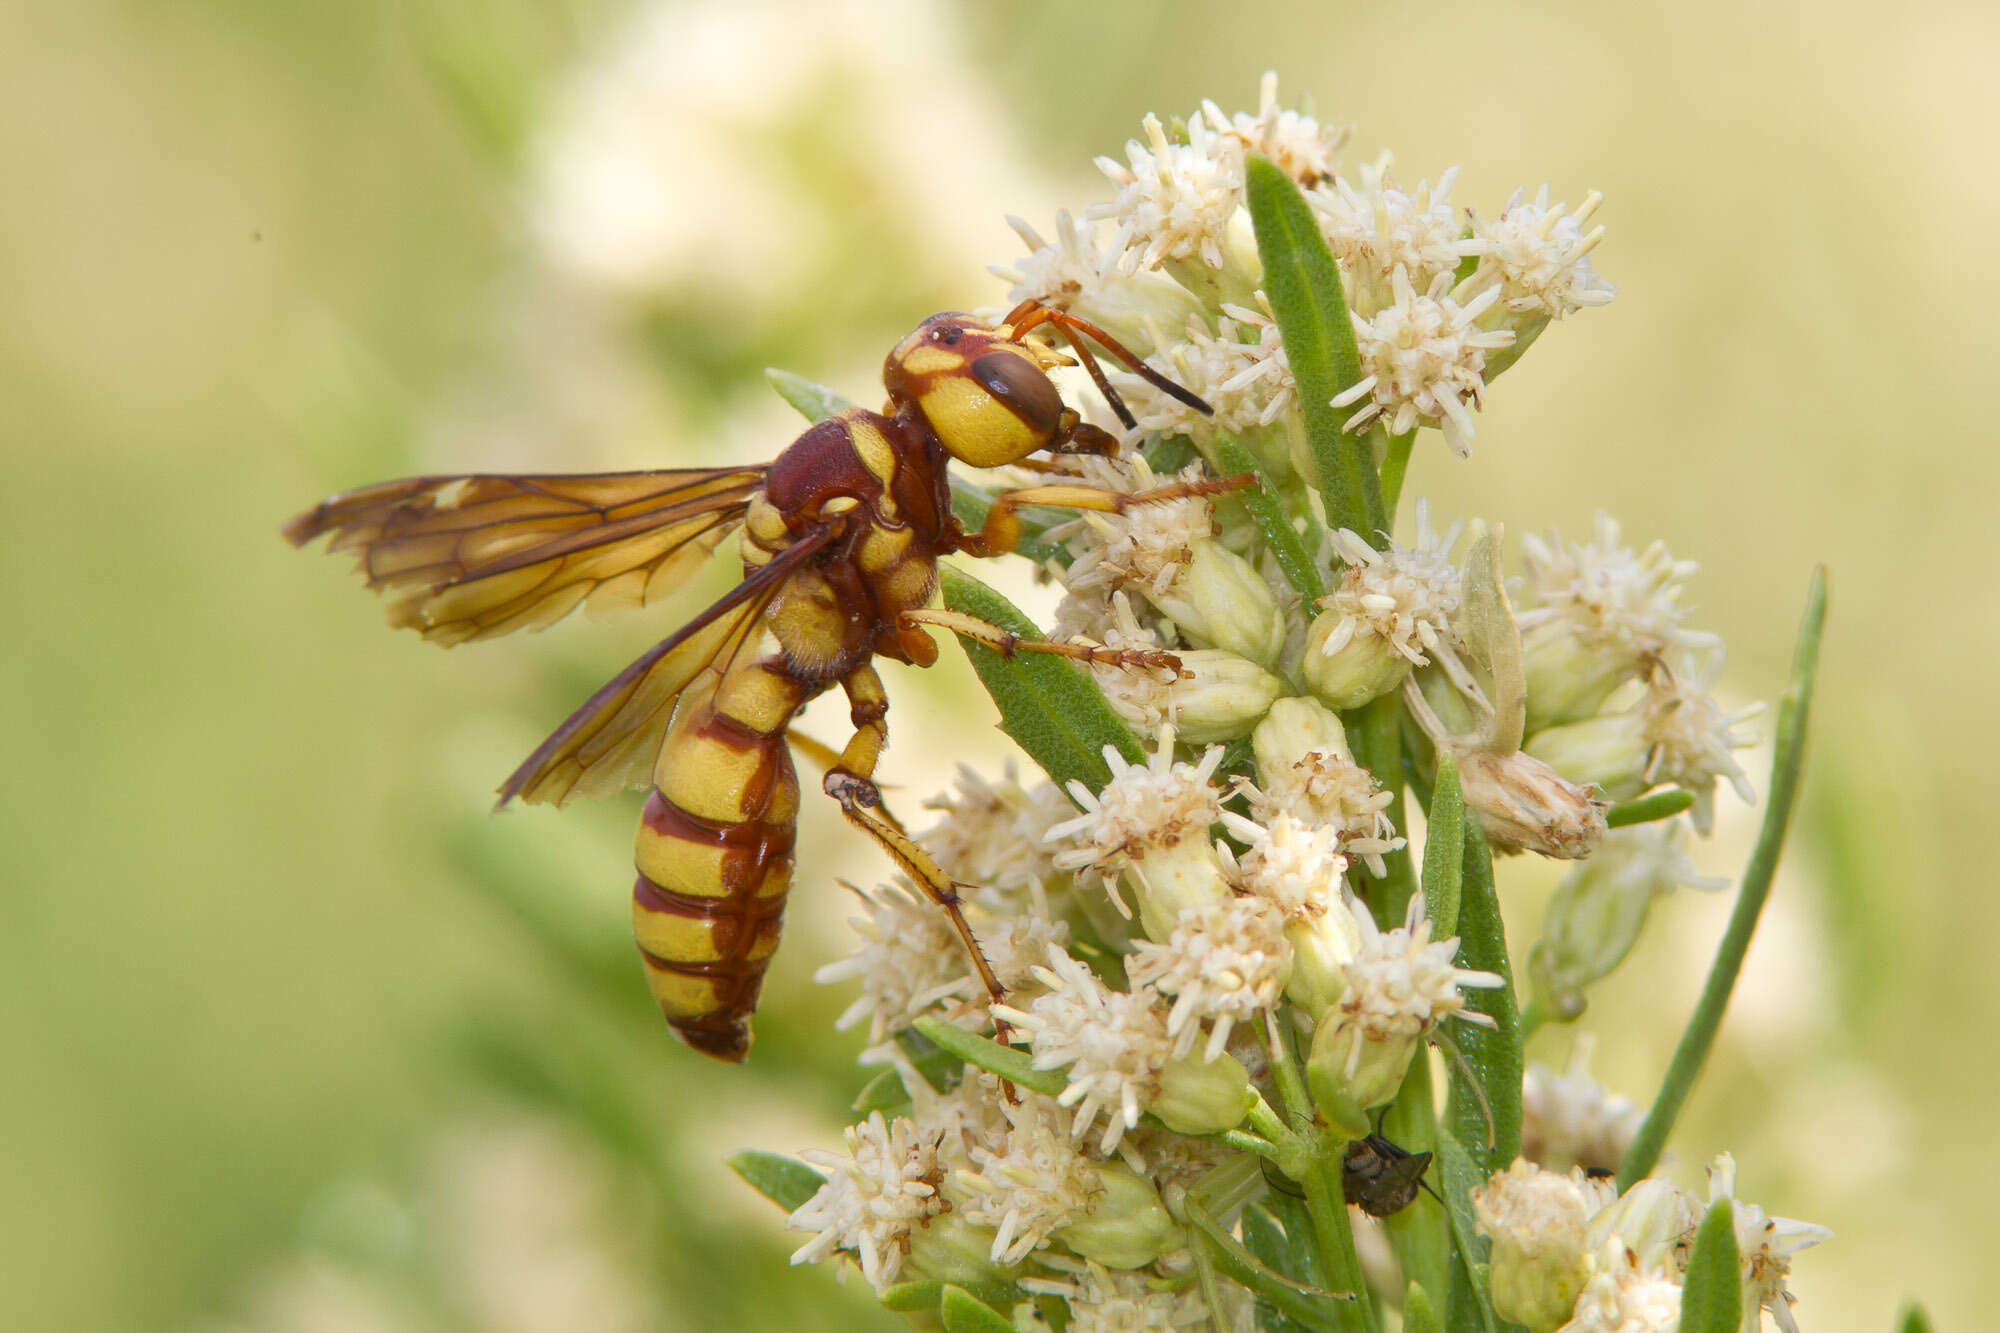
point(1248, 1006)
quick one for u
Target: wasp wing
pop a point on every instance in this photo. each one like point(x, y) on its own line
point(609, 744)
point(478, 556)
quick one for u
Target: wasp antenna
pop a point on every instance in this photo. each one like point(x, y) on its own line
point(1034, 313)
point(1111, 395)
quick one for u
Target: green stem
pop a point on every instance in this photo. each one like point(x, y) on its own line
point(1271, 1125)
point(1699, 1037)
point(1327, 1206)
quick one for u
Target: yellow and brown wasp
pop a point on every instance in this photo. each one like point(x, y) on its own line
point(841, 536)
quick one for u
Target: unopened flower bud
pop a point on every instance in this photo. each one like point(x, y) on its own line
point(1220, 601)
point(1322, 947)
point(947, 1248)
point(1350, 1073)
point(1524, 805)
point(1351, 669)
point(1172, 880)
point(1611, 750)
point(1597, 912)
point(1540, 1225)
point(1200, 1096)
point(1293, 729)
point(1225, 698)
point(1569, 680)
point(1127, 1226)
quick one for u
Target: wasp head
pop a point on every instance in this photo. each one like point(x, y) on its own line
point(986, 394)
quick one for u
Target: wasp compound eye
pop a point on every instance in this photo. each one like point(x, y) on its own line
point(1021, 385)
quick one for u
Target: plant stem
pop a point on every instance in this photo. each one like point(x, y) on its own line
point(1327, 1206)
point(1695, 1042)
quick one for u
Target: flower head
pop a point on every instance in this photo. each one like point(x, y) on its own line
point(1175, 200)
point(1301, 147)
point(882, 1187)
point(910, 961)
point(1223, 965)
point(1375, 229)
point(1423, 358)
point(1571, 1120)
point(1764, 1245)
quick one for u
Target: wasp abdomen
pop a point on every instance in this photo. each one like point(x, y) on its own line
point(714, 855)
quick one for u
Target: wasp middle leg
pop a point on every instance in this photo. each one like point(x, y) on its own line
point(851, 781)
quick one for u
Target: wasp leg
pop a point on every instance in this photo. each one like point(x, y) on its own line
point(1007, 643)
point(851, 782)
point(1002, 528)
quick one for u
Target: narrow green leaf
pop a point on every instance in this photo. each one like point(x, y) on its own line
point(1292, 1299)
point(1712, 1291)
point(963, 1312)
point(927, 1296)
point(970, 504)
point(1303, 282)
point(1444, 850)
point(1264, 1236)
point(1421, 1233)
point(815, 402)
point(1789, 757)
point(783, 1180)
point(1268, 510)
point(1010, 1064)
point(1494, 1054)
point(1468, 1308)
point(1644, 810)
point(884, 1092)
point(1419, 1314)
point(1913, 1319)
point(1050, 707)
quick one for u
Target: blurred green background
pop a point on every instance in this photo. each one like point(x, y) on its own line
point(295, 1037)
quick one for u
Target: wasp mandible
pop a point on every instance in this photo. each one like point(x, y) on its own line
point(841, 535)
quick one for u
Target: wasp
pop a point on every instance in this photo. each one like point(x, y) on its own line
point(841, 535)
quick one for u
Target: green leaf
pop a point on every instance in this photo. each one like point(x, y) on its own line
point(1712, 1291)
point(1265, 1237)
point(1419, 1314)
point(815, 402)
point(1913, 1319)
point(963, 1312)
point(1494, 1054)
point(1050, 707)
point(1789, 757)
point(1396, 465)
point(1303, 282)
point(941, 1069)
point(1444, 850)
point(1644, 810)
point(928, 1295)
point(1292, 1299)
point(1010, 1064)
point(785, 1181)
point(1268, 510)
point(1468, 1308)
point(884, 1092)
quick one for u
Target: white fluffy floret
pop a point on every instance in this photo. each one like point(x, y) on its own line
point(884, 1185)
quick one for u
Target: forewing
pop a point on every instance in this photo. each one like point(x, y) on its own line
point(478, 556)
point(609, 744)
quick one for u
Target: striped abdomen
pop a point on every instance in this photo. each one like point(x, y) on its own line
point(714, 855)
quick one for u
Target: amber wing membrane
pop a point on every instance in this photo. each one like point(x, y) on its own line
point(478, 556)
point(609, 744)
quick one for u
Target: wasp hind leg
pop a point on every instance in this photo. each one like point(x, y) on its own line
point(851, 781)
point(1007, 643)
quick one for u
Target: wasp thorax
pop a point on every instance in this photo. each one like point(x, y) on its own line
point(987, 397)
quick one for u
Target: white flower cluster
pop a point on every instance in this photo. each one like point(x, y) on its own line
point(1226, 915)
point(1441, 301)
point(1573, 1256)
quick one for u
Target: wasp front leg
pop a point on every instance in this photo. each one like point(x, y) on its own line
point(1002, 529)
point(851, 781)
